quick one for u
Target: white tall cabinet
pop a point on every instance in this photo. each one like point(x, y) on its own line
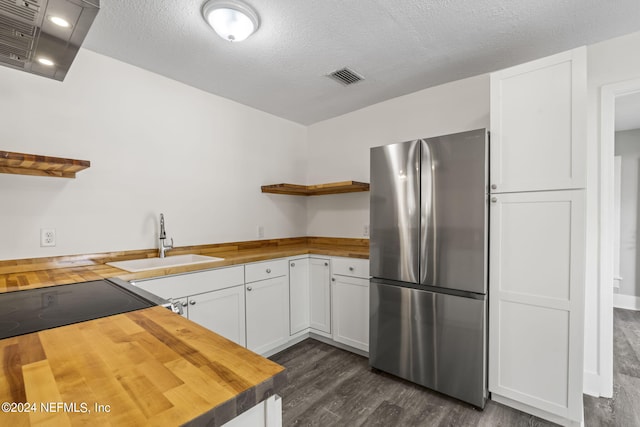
point(537, 236)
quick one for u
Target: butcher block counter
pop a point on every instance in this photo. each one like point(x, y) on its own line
point(38, 272)
point(145, 367)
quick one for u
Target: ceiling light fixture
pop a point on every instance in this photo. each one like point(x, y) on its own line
point(232, 20)
point(61, 22)
point(46, 61)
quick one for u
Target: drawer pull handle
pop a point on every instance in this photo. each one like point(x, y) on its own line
point(494, 199)
point(268, 270)
point(494, 187)
point(333, 279)
point(249, 288)
point(184, 303)
point(326, 264)
point(192, 302)
point(293, 264)
point(351, 269)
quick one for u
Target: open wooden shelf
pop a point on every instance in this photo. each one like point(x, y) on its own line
point(318, 189)
point(32, 164)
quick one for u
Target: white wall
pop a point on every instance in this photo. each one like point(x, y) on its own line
point(155, 145)
point(627, 146)
point(608, 62)
point(339, 147)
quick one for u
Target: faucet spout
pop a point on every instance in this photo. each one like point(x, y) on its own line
point(163, 235)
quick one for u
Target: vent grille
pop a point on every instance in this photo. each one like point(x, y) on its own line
point(12, 26)
point(25, 9)
point(345, 76)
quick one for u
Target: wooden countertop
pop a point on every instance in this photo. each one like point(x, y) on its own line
point(39, 272)
point(150, 366)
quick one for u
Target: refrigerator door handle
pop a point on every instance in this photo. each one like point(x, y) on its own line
point(428, 215)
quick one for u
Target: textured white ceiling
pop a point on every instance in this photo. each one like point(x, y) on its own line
point(399, 46)
point(628, 112)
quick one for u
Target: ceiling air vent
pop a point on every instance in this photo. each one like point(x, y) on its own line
point(345, 76)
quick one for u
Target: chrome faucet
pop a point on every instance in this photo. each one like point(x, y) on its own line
point(163, 236)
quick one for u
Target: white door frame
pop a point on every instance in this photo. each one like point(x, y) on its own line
point(608, 96)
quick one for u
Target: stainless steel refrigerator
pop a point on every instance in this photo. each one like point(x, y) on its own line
point(428, 260)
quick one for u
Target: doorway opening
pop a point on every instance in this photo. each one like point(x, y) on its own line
point(620, 116)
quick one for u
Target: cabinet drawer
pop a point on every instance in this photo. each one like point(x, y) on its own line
point(193, 283)
point(350, 267)
point(266, 270)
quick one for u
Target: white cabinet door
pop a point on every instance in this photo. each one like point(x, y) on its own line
point(299, 294)
point(536, 300)
point(221, 311)
point(538, 124)
point(350, 305)
point(320, 294)
point(267, 314)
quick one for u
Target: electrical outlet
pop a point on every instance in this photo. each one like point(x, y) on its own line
point(365, 232)
point(260, 231)
point(47, 237)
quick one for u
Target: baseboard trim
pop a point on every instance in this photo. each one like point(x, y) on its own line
point(338, 345)
point(591, 384)
point(628, 302)
point(303, 335)
point(535, 411)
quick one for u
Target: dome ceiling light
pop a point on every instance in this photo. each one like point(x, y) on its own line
point(232, 20)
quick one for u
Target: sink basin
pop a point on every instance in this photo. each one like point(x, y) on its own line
point(144, 264)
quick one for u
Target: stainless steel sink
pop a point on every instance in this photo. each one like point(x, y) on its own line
point(144, 264)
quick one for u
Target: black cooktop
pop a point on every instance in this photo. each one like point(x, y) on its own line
point(32, 310)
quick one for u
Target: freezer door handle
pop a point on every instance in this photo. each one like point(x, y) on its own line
point(428, 210)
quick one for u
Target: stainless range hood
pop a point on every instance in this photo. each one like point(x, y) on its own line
point(30, 40)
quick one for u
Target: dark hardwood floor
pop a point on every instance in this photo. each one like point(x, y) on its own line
point(623, 409)
point(332, 387)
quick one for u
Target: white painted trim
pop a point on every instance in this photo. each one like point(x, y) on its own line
point(273, 411)
point(591, 383)
point(608, 96)
point(628, 302)
point(535, 411)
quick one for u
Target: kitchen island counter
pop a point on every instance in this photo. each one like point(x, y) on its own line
point(145, 367)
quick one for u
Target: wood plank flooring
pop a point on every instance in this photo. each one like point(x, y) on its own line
point(332, 387)
point(623, 409)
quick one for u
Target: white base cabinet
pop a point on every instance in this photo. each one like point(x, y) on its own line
point(350, 302)
point(267, 306)
point(212, 298)
point(221, 311)
point(320, 295)
point(267, 413)
point(298, 295)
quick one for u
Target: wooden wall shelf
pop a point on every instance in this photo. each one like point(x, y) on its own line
point(32, 164)
point(318, 189)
